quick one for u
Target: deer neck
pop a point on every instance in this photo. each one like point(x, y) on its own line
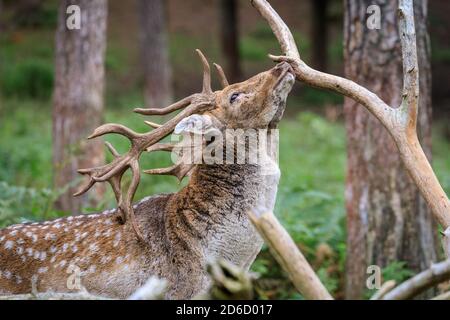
point(213, 207)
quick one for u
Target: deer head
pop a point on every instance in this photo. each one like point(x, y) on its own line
point(256, 103)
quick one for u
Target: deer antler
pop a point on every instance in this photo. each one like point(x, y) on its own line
point(114, 171)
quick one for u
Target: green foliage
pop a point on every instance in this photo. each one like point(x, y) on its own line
point(20, 204)
point(31, 78)
point(251, 49)
point(397, 271)
point(25, 146)
point(316, 97)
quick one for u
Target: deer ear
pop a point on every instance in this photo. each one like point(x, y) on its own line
point(196, 123)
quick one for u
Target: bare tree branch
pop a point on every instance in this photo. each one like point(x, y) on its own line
point(385, 288)
point(410, 66)
point(400, 122)
point(288, 255)
point(443, 296)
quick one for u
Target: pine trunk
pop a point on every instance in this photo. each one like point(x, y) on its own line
point(319, 34)
point(230, 39)
point(154, 53)
point(78, 98)
point(387, 219)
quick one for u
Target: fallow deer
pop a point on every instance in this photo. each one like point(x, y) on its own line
point(171, 236)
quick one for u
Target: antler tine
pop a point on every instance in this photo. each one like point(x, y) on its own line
point(136, 177)
point(114, 128)
point(154, 125)
point(161, 147)
point(162, 111)
point(112, 149)
point(222, 76)
point(206, 73)
point(179, 170)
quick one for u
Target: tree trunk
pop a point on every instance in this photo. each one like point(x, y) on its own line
point(319, 34)
point(78, 97)
point(154, 53)
point(387, 219)
point(230, 39)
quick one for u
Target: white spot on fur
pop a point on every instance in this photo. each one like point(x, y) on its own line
point(9, 244)
point(42, 270)
point(119, 260)
point(50, 236)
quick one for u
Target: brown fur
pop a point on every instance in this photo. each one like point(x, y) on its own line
point(183, 231)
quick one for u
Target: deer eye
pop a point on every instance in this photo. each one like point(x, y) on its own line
point(234, 97)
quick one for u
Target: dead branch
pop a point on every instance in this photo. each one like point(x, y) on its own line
point(422, 281)
point(443, 296)
point(288, 255)
point(399, 121)
point(385, 288)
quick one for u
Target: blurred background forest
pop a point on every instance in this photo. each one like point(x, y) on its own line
point(311, 201)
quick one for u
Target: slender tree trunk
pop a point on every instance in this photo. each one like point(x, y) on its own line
point(319, 34)
point(387, 219)
point(78, 97)
point(230, 39)
point(155, 53)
